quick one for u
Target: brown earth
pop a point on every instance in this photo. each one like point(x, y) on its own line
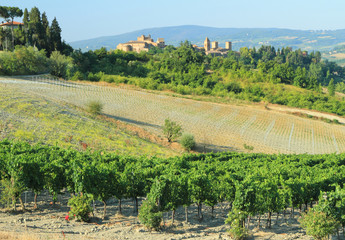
point(48, 222)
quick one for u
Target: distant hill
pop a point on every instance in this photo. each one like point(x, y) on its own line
point(336, 55)
point(241, 37)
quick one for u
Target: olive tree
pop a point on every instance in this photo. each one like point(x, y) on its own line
point(171, 130)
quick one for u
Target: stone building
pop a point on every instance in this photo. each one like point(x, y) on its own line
point(143, 43)
point(215, 50)
point(207, 44)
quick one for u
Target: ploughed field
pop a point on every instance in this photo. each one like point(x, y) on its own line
point(215, 126)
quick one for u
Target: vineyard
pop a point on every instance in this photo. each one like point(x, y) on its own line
point(215, 126)
point(260, 185)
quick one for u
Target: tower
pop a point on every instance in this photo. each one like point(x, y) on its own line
point(207, 44)
point(214, 45)
point(228, 46)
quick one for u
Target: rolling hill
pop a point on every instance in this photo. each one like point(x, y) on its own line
point(216, 127)
point(33, 117)
point(241, 37)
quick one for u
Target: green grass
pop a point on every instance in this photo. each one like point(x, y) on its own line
point(35, 119)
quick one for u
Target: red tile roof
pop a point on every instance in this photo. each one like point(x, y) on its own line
point(10, 23)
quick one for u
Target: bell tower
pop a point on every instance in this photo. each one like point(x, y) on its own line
point(207, 44)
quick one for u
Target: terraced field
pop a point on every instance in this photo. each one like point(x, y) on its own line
point(215, 126)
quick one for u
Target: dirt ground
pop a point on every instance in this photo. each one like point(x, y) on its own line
point(48, 222)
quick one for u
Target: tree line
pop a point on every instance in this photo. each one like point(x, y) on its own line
point(250, 74)
point(254, 184)
point(36, 31)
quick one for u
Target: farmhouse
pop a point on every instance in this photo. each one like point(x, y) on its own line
point(8, 25)
point(143, 43)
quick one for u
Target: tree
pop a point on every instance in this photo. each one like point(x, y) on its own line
point(331, 87)
point(172, 130)
point(12, 13)
point(36, 30)
point(4, 35)
point(26, 26)
point(46, 33)
point(55, 36)
point(4, 13)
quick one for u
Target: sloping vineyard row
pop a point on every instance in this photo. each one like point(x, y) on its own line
point(216, 124)
point(253, 183)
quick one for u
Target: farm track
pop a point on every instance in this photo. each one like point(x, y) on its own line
point(215, 126)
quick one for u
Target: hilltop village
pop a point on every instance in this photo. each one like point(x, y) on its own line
point(144, 43)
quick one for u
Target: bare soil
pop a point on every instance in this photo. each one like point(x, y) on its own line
point(48, 222)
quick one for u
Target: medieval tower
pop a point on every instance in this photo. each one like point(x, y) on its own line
point(228, 46)
point(214, 45)
point(207, 44)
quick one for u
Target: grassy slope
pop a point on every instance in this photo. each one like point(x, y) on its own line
point(33, 118)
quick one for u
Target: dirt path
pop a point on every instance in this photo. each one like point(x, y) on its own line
point(284, 109)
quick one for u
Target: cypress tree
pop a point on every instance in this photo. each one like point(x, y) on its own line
point(331, 88)
point(45, 27)
point(55, 36)
point(27, 38)
point(36, 27)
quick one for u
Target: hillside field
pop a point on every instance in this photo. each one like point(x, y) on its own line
point(25, 115)
point(215, 126)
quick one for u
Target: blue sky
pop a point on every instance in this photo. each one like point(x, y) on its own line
point(84, 19)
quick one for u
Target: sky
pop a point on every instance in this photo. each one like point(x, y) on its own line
point(85, 19)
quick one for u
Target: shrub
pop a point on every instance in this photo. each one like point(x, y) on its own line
point(318, 224)
point(336, 121)
point(187, 141)
point(10, 191)
point(236, 219)
point(59, 64)
point(149, 215)
point(108, 78)
point(77, 76)
point(80, 208)
point(95, 107)
point(95, 77)
point(171, 130)
point(23, 60)
point(248, 147)
point(233, 87)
